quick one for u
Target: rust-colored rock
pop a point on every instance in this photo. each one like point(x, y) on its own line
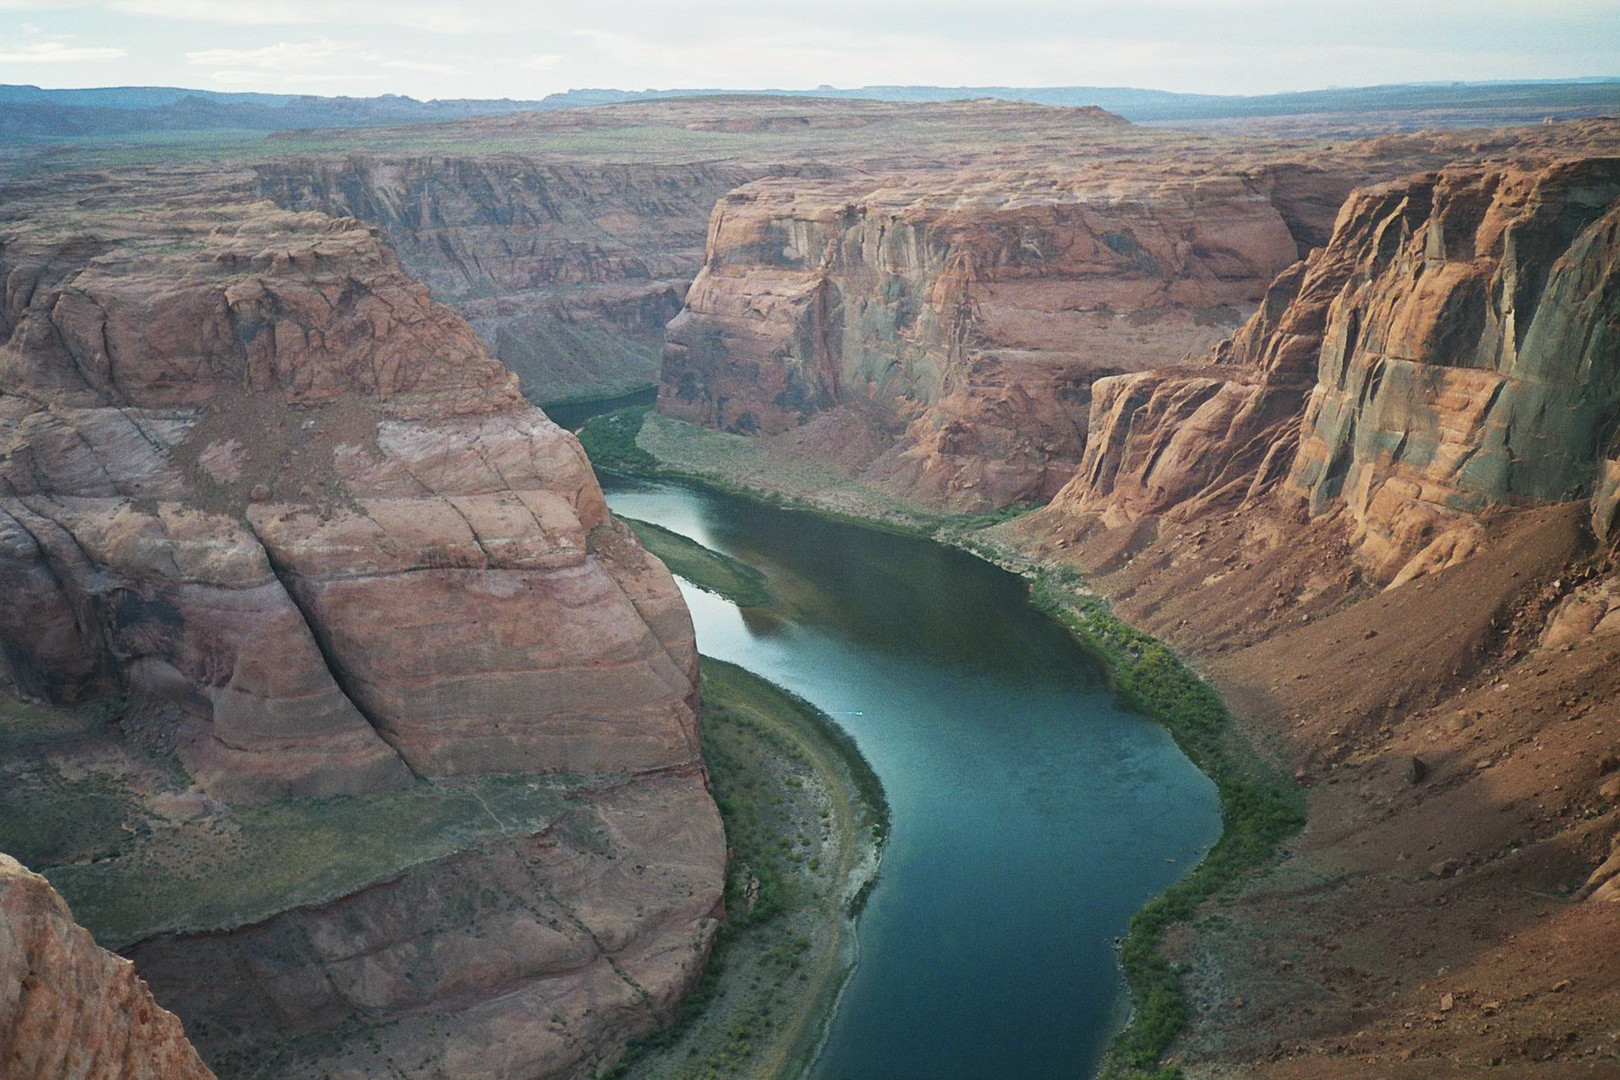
point(252, 477)
point(1399, 570)
point(70, 1010)
point(1452, 348)
point(969, 314)
point(536, 957)
point(1474, 361)
point(259, 472)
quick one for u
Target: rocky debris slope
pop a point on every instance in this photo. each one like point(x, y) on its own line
point(1381, 518)
point(69, 1008)
point(256, 480)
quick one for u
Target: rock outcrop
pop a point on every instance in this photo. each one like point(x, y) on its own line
point(1475, 361)
point(568, 269)
point(1453, 348)
point(261, 473)
point(533, 956)
point(69, 1009)
point(968, 315)
point(253, 478)
point(1371, 518)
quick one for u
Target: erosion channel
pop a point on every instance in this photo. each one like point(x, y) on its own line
point(1031, 814)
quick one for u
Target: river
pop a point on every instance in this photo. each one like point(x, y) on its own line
point(1031, 814)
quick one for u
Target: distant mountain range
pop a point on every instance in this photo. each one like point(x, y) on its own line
point(31, 114)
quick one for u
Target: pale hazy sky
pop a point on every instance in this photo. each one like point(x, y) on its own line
point(479, 48)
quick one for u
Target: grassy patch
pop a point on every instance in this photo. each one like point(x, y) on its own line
point(1259, 807)
point(802, 811)
point(713, 571)
point(49, 817)
point(610, 442)
point(561, 361)
point(23, 723)
point(140, 874)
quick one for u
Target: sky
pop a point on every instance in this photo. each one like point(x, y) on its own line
point(478, 48)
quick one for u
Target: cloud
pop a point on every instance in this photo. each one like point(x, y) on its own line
point(54, 52)
point(286, 55)
point(320, 61)
point(438, 19)
point(485, 48)
point(257, 78)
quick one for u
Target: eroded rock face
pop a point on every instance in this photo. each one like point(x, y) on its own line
point(1452, 349)
point(969, 314)
point(1473, 361)
point(254, 478)
point(262, 474)
point(567, 269)
point(70, 1009)
point(538, 957)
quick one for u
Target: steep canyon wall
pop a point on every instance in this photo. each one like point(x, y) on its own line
point(283, 510)
point(567, 269)
point(968, 319)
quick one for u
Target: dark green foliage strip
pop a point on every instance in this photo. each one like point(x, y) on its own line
point(710, 570)
point(1259, 807)
point(758, 741)
point(610, 442)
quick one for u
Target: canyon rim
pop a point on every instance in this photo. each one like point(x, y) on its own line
point(345, 732)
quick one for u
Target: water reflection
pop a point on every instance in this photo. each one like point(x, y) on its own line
point(1031, 815)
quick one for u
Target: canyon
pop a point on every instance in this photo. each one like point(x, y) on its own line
point(1337, 421)
point(1379, 515)
point(279, 517)
point(1382, 517)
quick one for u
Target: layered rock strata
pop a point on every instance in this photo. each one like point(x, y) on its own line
point(969, 319)
point(568, 269)
point(70, 1009)
point(535, 956)
point(255, 469)
point(256, 480)
point(1402, 577)
point(1453, 347)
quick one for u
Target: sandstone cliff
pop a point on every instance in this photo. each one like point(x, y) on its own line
point(70, 1009)
point(938, 332)
point(1381, 519)
point(568, 269)
point(255, 480)
point(968, 318)
point(1451, 349)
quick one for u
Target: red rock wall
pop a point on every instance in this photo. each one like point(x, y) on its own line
point(262, 474)
point(967, 314)
point(1453, 348)
point(252, 476)
point(70, 1010)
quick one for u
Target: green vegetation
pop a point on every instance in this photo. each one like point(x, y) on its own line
point(23, 723)
point(1259, 807)
point(638, 441)
point(610, 442)
point(710, 570)
point(804, 814)
point(564, 362)
point(129, 874)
